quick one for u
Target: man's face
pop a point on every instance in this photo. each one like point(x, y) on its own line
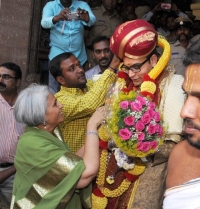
point(102, 53)
point(144, 69)
point(170, 23)
point(73, 75)
point(183, 33)
point(109, 4)
point(8, 86)
point(191, 108)
point(66, 3)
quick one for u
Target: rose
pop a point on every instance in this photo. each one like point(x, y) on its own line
point(153, 144)
point(129, 120)
point(151, 105)
point(157, 117)
point(157, 128)
point(150, 112)
point(124, 105)
point(139, 126)
point(151, 129)
point(135, 106)
point(160, 133)
point(125, 134)
point(141, 136)
point(146, 118)
point(141, 100)
point(143, 146)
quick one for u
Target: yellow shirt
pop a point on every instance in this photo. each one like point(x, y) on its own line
point(78, 106)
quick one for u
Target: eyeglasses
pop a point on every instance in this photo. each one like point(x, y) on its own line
point(6, 77)
point(134, 68)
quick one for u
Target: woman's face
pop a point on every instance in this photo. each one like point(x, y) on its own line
point(54, 114)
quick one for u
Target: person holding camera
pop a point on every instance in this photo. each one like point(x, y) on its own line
point(66, 20)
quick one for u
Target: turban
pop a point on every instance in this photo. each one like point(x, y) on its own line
point(134, 39)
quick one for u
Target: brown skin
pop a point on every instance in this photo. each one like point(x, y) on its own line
point(102, 54)
point(5, 174)
point(8, 88)
point(183, 35)
point(110, 6)
point(145, 69)
point(184, 161)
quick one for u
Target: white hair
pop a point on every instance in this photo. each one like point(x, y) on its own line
point(31, 105)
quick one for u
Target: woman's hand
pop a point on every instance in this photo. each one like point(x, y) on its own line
point(97, 117)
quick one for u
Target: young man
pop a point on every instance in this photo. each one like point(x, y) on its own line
point(78, 97)
point(135, 42)
point(183, 177)
point(10, 130)
point(66, 34)
point(101, 54)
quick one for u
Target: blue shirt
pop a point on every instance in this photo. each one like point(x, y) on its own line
point(71, 37)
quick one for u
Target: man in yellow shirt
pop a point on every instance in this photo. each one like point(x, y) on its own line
point(78, 97)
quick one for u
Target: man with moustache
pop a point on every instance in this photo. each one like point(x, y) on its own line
point(79, 97)
point(183, 178)
point(183, 27)
point(101, 54)
point(10, 129)
point(66, 33)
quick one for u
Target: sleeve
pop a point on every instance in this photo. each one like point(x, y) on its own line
point(47, 16)
point(181, 14)
point(147, 16)
point(82, 105)
point(91, 15)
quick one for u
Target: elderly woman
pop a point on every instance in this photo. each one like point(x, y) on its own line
point(48, 174)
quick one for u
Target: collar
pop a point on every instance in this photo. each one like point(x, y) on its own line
point(71, 6)
point(105, 13)
point(75, 91)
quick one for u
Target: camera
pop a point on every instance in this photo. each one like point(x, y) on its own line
point(73, 15)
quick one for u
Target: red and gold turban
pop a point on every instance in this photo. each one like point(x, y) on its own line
point(134, 39)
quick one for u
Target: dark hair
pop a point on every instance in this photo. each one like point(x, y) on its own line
point(99, 39)
point(55, 63)
point(192, 54)
point(15, 68)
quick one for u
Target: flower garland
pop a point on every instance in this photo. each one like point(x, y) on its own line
point(148, 88)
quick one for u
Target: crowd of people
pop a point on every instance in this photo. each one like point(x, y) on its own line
point(119, 113)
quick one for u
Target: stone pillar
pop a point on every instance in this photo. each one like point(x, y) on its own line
point(195, 7)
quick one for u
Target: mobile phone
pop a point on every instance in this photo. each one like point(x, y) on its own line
point(165, 6)
point(73, 15)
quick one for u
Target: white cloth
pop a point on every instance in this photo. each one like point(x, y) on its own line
point(184, 196)
point(93, 71)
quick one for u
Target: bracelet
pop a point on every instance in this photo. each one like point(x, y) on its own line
point(91, 132)
point(112, 68)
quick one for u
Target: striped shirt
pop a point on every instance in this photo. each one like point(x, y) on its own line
point(10, 130)
point(78, 106)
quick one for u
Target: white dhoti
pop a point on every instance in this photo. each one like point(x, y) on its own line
point(185, 196)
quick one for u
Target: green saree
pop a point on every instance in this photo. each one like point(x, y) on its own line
point(47, 174)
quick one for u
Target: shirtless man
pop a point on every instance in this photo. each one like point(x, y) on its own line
point(183, 179)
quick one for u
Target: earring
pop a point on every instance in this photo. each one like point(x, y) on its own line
point(45, 124)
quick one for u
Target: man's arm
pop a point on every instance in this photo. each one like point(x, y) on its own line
point(5, 174)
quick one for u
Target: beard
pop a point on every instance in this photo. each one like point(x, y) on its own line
point(195, 144)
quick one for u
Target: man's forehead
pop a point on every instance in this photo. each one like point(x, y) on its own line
point(192, 78)
point(5, 70)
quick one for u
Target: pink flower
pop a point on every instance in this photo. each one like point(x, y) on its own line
point(152, 105)
point(141, 100)
point(146, 118)
point(151, 129)
point(124, 105)
point(129, 120)
point(160, 133)
point(153, 144)
point(157, 117)
point(157, 128)
point(143, 146)
point(150, 112)
point(125, 134)
point(135, 106)
point(141, 136)
point(139, 126)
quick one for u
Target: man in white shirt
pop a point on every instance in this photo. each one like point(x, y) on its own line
point(101, 54)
